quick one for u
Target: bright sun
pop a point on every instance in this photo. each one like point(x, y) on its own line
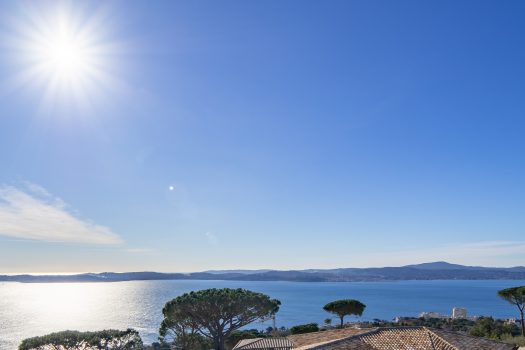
point(63, 54)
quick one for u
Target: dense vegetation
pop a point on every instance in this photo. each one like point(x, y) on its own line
point(304, 328)
point(269, 332)
point(494, 329)
point(74, 340)
point(213, 314)
point(486, 327)
point(455, 325)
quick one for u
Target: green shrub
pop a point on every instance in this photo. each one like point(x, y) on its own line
point(236, 336)
point(508, 338)
point(493, 329)
point(74, 340)
point(304, 328)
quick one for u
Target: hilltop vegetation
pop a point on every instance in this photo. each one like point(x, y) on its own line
point(427, 271)
point(74, 340)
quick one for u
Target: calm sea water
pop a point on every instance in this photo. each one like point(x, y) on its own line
point(36, 309)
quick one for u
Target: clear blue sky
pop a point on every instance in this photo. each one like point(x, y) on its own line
point(294, 134)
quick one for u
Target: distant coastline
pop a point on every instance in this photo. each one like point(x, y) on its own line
point(426, 271)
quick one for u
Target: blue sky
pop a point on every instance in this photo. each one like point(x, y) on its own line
point(293, 134)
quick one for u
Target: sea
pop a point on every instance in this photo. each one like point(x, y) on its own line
point(31, 309)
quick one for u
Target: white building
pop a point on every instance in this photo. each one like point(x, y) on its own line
point(459, 312)
point(431, 314)
point(512, 321)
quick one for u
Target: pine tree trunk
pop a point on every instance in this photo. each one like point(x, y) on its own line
point(218, 343)
point(222, 344)
point(522, 324)
point(341, 321)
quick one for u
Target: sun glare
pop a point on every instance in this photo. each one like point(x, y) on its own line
point(63, 54)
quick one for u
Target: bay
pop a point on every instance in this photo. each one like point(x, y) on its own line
point(39, 308)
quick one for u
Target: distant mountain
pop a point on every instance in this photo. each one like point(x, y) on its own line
point(442, 265)
point(244, 272)
point(428, 271)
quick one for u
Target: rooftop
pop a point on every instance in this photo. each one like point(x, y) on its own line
point(399, 338)
point(264, 343)
point(315, 338)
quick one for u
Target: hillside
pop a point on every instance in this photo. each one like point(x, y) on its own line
point(426, 271)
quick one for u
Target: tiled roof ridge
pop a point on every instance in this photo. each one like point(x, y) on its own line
point(437, 340)
point(364, 334)
point(431, 333)
point(264, 343)
point(340, 340)
point(466, 335)
point(434, 341)
point(249, 341)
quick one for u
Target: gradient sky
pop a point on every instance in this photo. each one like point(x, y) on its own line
point(266, 134)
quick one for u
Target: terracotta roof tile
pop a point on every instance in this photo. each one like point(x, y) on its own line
point(463, 341)
point(404, 338)
point(264, 343)
point(301, 340)
point(409, 339)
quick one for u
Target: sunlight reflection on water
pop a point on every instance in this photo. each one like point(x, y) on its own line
point(36, 309)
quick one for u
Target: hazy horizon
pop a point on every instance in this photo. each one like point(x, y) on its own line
point(255, 269)
point(183, 137)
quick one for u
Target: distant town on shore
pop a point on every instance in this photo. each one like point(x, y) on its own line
point(427, 271)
